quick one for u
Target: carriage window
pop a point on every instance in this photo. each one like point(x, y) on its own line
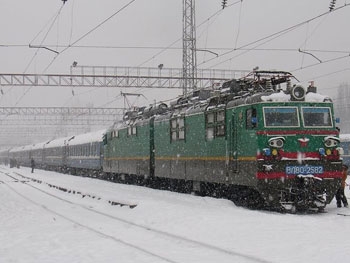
point(177, 129)
point(316, 117)
point(215, 124)
point(281, 117)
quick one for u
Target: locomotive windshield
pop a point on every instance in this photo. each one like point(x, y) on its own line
point(281, 117)
point(316, 117)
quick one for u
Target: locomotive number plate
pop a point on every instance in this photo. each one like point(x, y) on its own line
point(304, 169)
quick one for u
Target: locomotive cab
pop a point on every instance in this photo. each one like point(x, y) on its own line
point(298, 154)
point(283, 143)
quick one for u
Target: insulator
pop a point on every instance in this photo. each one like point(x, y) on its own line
point(332, 5)
point(268, 84)
point(289, 85)
point(224, 3)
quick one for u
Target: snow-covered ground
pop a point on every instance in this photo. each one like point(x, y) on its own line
point(40, 223)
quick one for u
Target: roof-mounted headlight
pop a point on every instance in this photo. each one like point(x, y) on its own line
point(297, 93)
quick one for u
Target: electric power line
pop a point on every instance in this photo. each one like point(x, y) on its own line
point(178, 40)
point(270, 37)
point(90, 31)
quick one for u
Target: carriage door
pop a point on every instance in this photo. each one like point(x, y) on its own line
point(234, 146)
point(64, 155)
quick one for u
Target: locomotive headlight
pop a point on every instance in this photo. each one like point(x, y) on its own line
point(276, 142)
point(331, 141)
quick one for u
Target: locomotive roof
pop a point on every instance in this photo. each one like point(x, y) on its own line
point(258, 86)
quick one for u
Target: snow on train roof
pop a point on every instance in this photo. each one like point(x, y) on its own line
point(87, 137)
point(77, 139)
point(283, 97)
point(38, 145)
point(56, 142)
point(21, 148)
point(316, 97)
point(71, 140)
point(28, 147)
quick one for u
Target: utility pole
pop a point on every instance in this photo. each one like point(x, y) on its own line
point(189, 60)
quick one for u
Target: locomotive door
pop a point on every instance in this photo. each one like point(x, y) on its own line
point(234, 142)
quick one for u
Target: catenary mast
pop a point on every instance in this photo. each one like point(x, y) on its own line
point(189, 60)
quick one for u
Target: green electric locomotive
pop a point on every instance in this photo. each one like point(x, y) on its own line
point(251, 140)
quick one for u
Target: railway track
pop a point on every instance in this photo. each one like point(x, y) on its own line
point(124, 229)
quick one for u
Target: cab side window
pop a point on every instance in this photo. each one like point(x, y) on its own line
point(251, 119)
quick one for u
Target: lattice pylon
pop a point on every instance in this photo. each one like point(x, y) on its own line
point(189, 60)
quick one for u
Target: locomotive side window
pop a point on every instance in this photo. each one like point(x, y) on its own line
point(210, 133)
point(215, 124)
point(220, 116)
point(173, 136)
point(115, 134)
point(104, 138)
point(173, 123)
point(132, 130)
point(281, 117)
point(317, 117)
point(210, 117)
point(251, 119)
point(177, 128)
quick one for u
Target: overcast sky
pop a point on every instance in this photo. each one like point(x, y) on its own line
point(145, 27)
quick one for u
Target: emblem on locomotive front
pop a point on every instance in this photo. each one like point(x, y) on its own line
point(303, 142)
